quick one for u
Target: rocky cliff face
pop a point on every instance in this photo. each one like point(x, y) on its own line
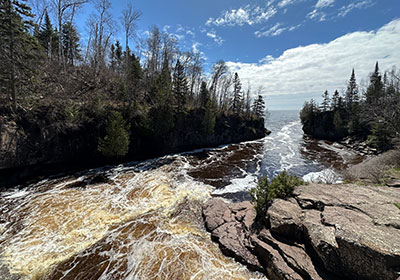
point(43, 143)
point(324, 232)
point(323, 128)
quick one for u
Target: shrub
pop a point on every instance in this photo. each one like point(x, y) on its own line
point(116, 141)
point(281, 186)
point(259, 195)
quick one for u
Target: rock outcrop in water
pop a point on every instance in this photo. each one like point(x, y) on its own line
point(33, 144)
point(324, 232)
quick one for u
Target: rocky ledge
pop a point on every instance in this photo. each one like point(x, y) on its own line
point(323, 232)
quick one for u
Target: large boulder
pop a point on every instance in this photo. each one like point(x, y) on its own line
point(324, 232)
point(229, 225)
point(355, 230)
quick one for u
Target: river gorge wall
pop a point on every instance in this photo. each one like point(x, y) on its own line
point(41, 144)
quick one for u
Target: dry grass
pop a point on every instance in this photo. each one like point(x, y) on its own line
point(376, 170)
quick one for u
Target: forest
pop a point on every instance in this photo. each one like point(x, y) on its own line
point(370, 112)
point(48, 79)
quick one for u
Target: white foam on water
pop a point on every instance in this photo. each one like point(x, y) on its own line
point(238, 185)
point(326, 176)
point(126, 228)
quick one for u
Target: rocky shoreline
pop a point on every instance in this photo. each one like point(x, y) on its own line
point(323, 232)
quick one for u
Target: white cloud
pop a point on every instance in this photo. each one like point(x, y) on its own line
point(357, 5)
point(317, 14)
point(213, 35)
point(284, 3)
point(275, 30)
point(324, 3)
point(191, 33)
point(245, 15)
point(308, 70)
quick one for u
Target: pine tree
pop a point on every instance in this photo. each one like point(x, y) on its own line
point(209, 117)
point(18, 47)
point(48, 38)
point(70, 43)
point(133, 77)
point(113, 60)
point(375, 90)
point(237, 95)
point(325, 101)
point(116, 142)
point(335, 101)
point(259, 106)
point(204, 94)
point(248, 104)
point(180, 87)
point(118, 54)
point(351, 96)
point(162, 113)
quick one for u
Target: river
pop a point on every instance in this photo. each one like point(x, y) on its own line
point(145, 221)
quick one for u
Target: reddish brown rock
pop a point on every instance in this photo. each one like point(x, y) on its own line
point(324, 232)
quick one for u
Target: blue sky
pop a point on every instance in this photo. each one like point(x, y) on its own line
point(295, 49)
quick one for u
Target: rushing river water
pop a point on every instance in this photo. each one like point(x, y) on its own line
point(145, 221)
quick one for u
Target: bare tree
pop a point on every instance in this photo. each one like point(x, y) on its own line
point(101, 30)
point(61, 7)
point(128, 19)
point(39, 8)
point(154, 51)
point(226, 82)
point(218, 70)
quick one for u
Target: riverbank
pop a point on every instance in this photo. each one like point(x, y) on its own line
point(40, 143)
point(341, 231)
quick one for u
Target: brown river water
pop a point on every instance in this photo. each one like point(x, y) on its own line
point(145, 222)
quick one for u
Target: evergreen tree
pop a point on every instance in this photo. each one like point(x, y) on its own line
point(237, 95)
point(116, 142)
point(161, 113)
point(48, 38)
point(180, 87)
point(325, 102)
point(113, 59)
point(70, 43)
point(18, 47)
point(351, 92)
point(133, 77)
point(375, 90)
point(259, 106)
point(204, 94)
point(209, 117)
point(248, 104)
point(118, 54)
point(335, 101)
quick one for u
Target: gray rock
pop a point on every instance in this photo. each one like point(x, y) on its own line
point(216, 212)
point(285, 218)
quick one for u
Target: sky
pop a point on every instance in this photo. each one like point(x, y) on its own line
point(293, 49)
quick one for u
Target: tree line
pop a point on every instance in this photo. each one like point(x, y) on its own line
point(370, 113)
point(44, 64)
